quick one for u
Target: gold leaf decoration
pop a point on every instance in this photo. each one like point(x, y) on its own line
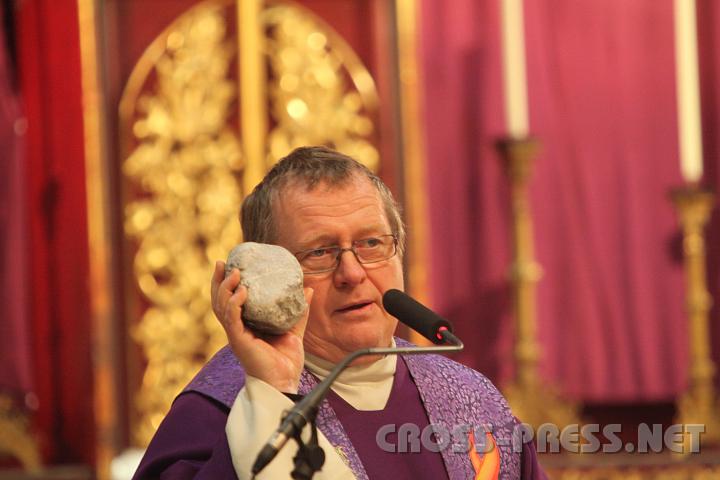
point(184, 173)
point(320, 93)
point(184, 170)
point(16, 438)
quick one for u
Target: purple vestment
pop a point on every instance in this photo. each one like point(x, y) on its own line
point(452, 395)
point(390, 440)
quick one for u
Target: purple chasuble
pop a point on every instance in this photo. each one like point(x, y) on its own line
point(404, 407)
point(191, 441)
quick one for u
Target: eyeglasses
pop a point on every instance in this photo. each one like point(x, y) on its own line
point(367, 250)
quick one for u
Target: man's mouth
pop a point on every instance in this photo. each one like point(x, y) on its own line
point(354, 306)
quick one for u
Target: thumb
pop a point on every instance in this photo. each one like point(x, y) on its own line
point(299, 328)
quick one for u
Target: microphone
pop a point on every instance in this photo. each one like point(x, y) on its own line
point(418, 317)
point(407, 310)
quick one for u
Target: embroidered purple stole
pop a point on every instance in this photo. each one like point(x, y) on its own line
point(453, 396)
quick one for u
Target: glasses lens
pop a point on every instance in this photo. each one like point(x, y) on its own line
point(375, 249)
point(319, 260)
point(367, 250)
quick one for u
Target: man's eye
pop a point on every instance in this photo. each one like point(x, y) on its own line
point(319, 252)
point(370, 243)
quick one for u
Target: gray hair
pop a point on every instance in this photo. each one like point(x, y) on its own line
point(310, 166)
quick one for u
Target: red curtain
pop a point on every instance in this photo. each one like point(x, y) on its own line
point(601, 78)
point(468, 210)
point(49, 65)
point(603, 96)
point(15, 355)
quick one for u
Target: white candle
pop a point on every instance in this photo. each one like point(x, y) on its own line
point(688, 91)
point(514, 80)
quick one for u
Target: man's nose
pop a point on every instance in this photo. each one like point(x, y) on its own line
point(349, 270)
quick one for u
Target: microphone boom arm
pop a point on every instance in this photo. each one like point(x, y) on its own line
point(305, 410)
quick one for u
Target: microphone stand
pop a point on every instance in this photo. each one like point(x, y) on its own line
point(307, 460)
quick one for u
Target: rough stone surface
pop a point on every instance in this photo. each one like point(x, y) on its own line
point(274, 281)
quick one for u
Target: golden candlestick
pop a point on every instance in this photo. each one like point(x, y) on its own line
point(16, 438)
point(530, 400)
point(699, 403)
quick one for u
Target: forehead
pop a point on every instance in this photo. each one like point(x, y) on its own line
point(328, 212)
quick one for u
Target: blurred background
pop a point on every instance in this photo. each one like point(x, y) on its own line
point(556, 160)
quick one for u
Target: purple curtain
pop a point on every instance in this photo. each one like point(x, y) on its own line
point(708, 12)
point(15, 356)
point(601, 80)
point(468, 214)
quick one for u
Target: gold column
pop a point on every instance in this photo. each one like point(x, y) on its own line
point(699, 404)
point(253, 94)
point(413, 152)
point(105, 384)
point(531, 401)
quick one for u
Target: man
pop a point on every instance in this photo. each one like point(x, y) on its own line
point(343, 225)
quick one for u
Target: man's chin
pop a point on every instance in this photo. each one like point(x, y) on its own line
point(350, 338)
point(366, 340)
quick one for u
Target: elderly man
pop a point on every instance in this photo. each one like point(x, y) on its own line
point(344, 227)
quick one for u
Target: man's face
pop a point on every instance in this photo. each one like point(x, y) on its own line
point(346, 313)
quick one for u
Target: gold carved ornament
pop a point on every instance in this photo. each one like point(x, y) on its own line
point(185, 168)
point(15, 435)
point(184, 173)
point(320, 92)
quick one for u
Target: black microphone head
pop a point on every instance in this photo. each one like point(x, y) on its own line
point(415, 315)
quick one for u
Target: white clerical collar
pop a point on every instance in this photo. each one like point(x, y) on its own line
point(365, 387)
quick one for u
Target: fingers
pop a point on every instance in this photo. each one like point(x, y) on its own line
point(231, 317)
point(227, 300)
point(222, 288)
point(218, 274)
point(234, 304)
point(217, 277)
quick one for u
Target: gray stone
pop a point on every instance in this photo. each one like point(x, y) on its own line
point(274, 281)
